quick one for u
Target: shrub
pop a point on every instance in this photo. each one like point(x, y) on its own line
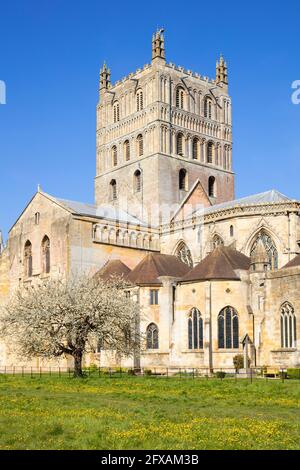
point(238, 362)
point(293, 373)
point(220, 374)
point(147, 372)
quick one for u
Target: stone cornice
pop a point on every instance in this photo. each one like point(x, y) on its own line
point(279, 208)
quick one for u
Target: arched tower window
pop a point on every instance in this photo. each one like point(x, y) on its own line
point(180, 98)
point(137, 181)
point(195, 329)
point(116, 112)
point(114, 154)
point(212, 186)
point(152, 336)
point(113, 190)
point(288, 326)
point(37, 218)
point(127, 150)
point(46, 255)
point(196, 149)
point(208, 108)
point(140, 145)
point(231, 231)
point(270, 248)
point(183, 253)
point(182, 179)
point(228, 329)
point(139, 100)
point(28, 259)
point(217, 153)
point(179, 144)
point(227, 159)
point(210, 152)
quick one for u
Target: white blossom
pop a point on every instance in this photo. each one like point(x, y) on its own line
point(70, 316)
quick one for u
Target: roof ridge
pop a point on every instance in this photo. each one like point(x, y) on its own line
point(215, 265)
point(293, 263)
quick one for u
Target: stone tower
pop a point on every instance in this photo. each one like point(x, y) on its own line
point(159, 130)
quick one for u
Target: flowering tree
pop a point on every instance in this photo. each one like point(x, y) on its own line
point(71, 316)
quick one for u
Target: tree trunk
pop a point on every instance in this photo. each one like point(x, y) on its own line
point(78, 364)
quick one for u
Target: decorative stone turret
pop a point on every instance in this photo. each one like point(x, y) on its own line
point(158, 46)
point(259, 258)
point(154, 113)
point(104, 78)
point(221, 71)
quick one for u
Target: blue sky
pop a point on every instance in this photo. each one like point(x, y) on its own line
point(50, 55)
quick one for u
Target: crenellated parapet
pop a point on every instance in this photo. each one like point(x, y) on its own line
point(162, 119)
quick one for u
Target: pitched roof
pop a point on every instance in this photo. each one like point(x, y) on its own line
point(268, 197)
point(195, 198)
point(154, 265)
point(104, 211)
point(219, 264)
point(293, 263)
point(112, 268)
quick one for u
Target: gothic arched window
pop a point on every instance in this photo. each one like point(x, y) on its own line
point(114, 154)
point(210, 152)
point(140, 145)
point(195, 149)
point(113, 190)
point(231, 230)
point(228, 329)
point(127, 150)
point(180, 97)
point(195, 329)
point(179, 144)
point(212, 186)
point(46, 255)
point(182, 179)
point(137, 181)
point(28, 259)
point(152, 336)
point(116, 112)
point(139, 100)
point(208, 108)
point(183, 253)
point(270, 248)
point(288, 326)
point(217, 241)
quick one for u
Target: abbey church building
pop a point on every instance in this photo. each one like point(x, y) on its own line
point(209, 270)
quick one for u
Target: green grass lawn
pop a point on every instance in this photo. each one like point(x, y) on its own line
point(148, 413)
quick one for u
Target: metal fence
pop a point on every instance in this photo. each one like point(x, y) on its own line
point(266, 373)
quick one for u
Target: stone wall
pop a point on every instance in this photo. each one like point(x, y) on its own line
point(281, 286)
point(159, 122)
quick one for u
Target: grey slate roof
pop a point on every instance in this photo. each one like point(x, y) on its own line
point(268, 197)
point(102, 212)
point(106, 211)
